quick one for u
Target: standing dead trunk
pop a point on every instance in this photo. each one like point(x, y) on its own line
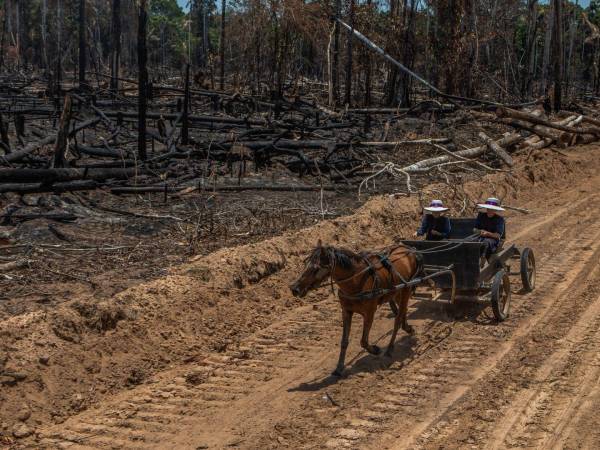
point(142, 79)
point(348, 87)
point(569, 72)
point(222, 45)
point(368, 61)
point(63, 135)
point(186, 103)
point(44, 33)
point(116, 46)
point(3, 36)
point(4, 135)
point(82, 44)
point(201, 9)
point(335, 63)
point(529, 57)
point(547, 45)
point(408, 53)
point(558, 55)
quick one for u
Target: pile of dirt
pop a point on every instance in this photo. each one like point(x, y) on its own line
point(56, 363)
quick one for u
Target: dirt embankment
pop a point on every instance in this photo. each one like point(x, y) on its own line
point(58, 362)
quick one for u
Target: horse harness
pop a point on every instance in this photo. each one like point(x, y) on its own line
point(371, 271)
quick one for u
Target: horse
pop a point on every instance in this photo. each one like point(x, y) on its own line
point(365, 281)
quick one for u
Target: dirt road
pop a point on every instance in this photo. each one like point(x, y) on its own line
point(462, 381)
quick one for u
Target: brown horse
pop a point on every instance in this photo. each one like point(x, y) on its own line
point(364, 283)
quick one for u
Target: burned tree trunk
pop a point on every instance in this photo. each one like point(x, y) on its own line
point(186, 104)
point(116, 46)
point(335, 64)
point(529, 57)
point(62, 136)
point(547, 44)
point(222, 45)
point(4, 135)
point(82, 44)
point(201, 33)
point(348, 93)
point(142, 79)
point(557, 51)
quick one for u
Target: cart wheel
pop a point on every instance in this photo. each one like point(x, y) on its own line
point(528, 269)
point(501, 295)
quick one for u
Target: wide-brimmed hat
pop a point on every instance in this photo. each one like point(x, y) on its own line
point(491, 203)
point(436, 206)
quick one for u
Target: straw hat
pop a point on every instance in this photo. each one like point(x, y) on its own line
point(491, 203)
point(435, 206)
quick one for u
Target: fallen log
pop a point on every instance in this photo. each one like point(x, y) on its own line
point(20, 154)
point(57, 188)
point(58, 217)
point(192, 118)
point(499, 151)
point(408, 142)
point(426, 164)
point(508, 112)
point(97, 151)
point(68, 174)
point(275, 188)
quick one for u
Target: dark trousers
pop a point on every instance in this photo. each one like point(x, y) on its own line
point(490, 247)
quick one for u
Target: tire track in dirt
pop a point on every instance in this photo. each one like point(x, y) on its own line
point(540, 415)
point(475, 420)
point(198, 394)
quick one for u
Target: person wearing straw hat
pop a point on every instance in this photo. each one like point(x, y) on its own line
point(490, 225)
point(435, 226)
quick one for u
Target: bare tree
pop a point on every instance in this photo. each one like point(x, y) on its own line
point(142, 78)
point(116, 46)
point(82, 44)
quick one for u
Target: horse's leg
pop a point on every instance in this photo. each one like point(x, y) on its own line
point(347, 323)
point(367, 323)
point(403, 306)
point(397, 321)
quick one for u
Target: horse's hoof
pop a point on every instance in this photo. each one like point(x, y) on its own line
point(410, 330)
point(375, 350)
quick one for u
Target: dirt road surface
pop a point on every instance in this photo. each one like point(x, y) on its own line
point(462, 381)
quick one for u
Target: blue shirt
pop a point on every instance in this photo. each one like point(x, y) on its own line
point(440, 224)
point(493, 224)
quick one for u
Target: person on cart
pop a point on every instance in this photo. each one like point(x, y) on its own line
point(435, 226)
point(490, 226)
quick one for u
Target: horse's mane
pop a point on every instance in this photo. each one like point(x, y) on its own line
point(341, 257)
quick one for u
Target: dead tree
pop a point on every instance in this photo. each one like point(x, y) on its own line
point(557, 54)
point(348, 93)
point(3, 36)
point(335, 64)
point(62, 136)
point(222, 45)
point(142, 79)
point(82, 44)
point(529, 57)
point(186, 104)
point(116, 46)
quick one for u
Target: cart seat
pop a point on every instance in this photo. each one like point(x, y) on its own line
point(462, 228)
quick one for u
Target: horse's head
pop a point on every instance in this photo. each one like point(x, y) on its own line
point(318, 268)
